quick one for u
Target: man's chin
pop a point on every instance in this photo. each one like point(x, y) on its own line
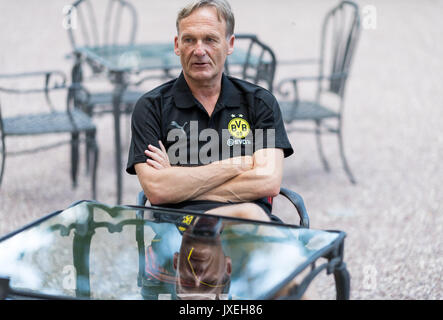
point(202, 75)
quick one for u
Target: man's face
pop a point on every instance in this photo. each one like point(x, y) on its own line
point(201, 266)
point(202, 45)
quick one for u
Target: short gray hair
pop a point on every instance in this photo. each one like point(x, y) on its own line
point(223, 10)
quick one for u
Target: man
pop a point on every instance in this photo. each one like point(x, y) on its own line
point(207, 123)
point(203, 271)
point(190, 266)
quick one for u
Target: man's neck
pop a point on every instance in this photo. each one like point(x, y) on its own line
point(207, 92)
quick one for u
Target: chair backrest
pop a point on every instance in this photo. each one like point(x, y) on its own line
point(83, 30)
point(340, 33)
point(257, 61)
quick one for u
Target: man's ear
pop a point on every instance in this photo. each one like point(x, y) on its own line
point(176, 49)
point(231, 44)
point(175, 260)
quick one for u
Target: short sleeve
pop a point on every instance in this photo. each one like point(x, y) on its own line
point(145, 130)
point(269, 128)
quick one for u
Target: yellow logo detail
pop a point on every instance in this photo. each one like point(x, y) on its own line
point(238, 128)
point(186, 220)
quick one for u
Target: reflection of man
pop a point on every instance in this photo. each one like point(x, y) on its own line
point(199, 263)
point(202, 269)
point(185, 118)
point(192, 266)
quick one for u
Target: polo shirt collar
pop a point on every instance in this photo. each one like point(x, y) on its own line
point(230, 96)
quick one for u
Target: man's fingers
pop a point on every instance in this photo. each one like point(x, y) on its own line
point(154, 164)
point(158, 155)
point(162, 147)
point(164, 150)
point(155, 156)
point(158, 151)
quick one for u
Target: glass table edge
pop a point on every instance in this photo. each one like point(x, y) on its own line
point(319, 254)
point(136, 207)
point(85, 51)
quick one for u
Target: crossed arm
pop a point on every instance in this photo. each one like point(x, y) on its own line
point(237, 179)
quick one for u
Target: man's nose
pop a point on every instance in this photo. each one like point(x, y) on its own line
point(199, 49)
point(197, 282)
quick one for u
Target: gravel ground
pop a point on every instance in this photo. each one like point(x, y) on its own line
point(393, 134)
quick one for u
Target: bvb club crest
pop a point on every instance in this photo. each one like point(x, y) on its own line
point(238, 128)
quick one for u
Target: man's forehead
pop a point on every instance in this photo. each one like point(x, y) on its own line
point(207, 15)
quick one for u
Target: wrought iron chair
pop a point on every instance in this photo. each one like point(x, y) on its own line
point(339, 36)
point(82, 24)
point(71, 121)
point(83, 31)
point(259, 65)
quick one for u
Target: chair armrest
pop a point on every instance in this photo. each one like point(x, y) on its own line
point(246, 36)
point(299, 204)
point(332, 76)
point(61, 83)
point(53, 80)
point(166, 75)
point(32, 74)
point(295, 80)
point(305, 61)
point(141, 199)
point(292, 196)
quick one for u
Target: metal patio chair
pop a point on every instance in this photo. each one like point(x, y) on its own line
point(84, 31)
point(259, 63)
point(71, 121)
point(339, 37)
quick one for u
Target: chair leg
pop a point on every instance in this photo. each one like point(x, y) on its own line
point(81, 258)
point(74, 158)
point(343, 158)
point(88, 110)
point(3, 159)
point(342, 282)
point(140, 239)
point(320, 147)
point(93, 149)
point(87, 158)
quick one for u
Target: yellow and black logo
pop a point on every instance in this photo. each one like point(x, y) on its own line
point(187, 220)
point(238, 128)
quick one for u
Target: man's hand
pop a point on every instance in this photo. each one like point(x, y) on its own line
point(159, 157)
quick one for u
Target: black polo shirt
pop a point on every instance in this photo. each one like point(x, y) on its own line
point(246, 118)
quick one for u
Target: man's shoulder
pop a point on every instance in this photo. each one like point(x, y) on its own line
point(161, 91)
point(249, 88)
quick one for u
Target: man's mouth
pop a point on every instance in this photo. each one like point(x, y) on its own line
point(200, 64)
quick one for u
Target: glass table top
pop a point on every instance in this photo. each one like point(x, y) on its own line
point(91, 250)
